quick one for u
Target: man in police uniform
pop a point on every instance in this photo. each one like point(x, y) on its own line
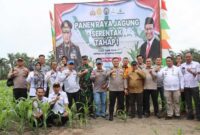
point(67, 48)
point(84, 72)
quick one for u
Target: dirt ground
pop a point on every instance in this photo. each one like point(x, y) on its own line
point(145, 126)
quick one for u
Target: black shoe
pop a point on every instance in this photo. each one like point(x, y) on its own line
point(49, 125)
point(198, 118)
point(158, 115)
point(146, 115)
point(168, 118)
point(132, 116)
point(190, 117)
point(177, 117)
point(95, 116)
point(110, 118)
point(140, 116)
point(103, 116)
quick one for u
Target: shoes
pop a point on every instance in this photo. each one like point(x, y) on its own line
point(198, 118)
point(177, 117)
point(110, 118)
point(146, 115)
point(190, 117)
point(168, 118)
point(132, 116)
point(140, 116)
point(158, 115)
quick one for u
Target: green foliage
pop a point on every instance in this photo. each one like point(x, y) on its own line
point(121, 114)
point(195, 54)
point(4, 68)
point(18, 116)
point(180, 131)
point(134, 52)
point(139, 33)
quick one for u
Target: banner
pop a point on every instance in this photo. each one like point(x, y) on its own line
point(107, 29)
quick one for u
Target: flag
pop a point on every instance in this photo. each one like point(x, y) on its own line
point(164, 35)
point(53, 31)
point(164, 24)
point(163, 5)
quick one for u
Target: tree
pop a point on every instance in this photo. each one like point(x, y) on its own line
point(51, 58)
point(195, 54)
point(4, 68)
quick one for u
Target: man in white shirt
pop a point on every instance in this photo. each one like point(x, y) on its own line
point(71, 84)
point(37, 105)
point(59, 102)
point(173, 82)
point(198, 71)
point(53, 76)
point(160, 88)
point(179, 61)
point(189, 70)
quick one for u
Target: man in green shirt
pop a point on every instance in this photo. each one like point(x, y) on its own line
point(84, 72)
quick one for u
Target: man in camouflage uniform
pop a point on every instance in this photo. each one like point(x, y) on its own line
point(86, 96)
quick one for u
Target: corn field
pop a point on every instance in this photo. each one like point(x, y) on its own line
point(16, 118)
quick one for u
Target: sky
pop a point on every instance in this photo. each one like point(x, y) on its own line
point(25, 25)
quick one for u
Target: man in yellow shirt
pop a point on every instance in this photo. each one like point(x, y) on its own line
point(134, 87)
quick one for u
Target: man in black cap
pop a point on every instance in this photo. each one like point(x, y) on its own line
point(151, 47)
point(19, 74)
point(84, 72)
point(67, 48)
point(100, 84)
point(134, 87)
point(71, 84)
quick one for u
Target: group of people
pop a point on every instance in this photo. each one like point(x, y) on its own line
point(130, 87)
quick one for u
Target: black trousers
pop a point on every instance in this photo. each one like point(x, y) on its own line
point(154, 96)
point(192, 93)
point(52, 117)
point(74, 97)
point(162, 97)
point(136, 98)
point(127, 104)
point(113, 95)
point(127, 97)
point(20, 93)
point(183, 103)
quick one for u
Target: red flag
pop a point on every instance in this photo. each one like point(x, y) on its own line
point(51, 16)
point(163, 5)
point(165, 44)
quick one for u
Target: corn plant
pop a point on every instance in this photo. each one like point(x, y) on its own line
point(74, 116)
point(24, 113)
point(45, 107)
point(155, 132)
point(121, 114)
point(180, 131)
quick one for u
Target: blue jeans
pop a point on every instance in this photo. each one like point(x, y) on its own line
point(100, 103)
